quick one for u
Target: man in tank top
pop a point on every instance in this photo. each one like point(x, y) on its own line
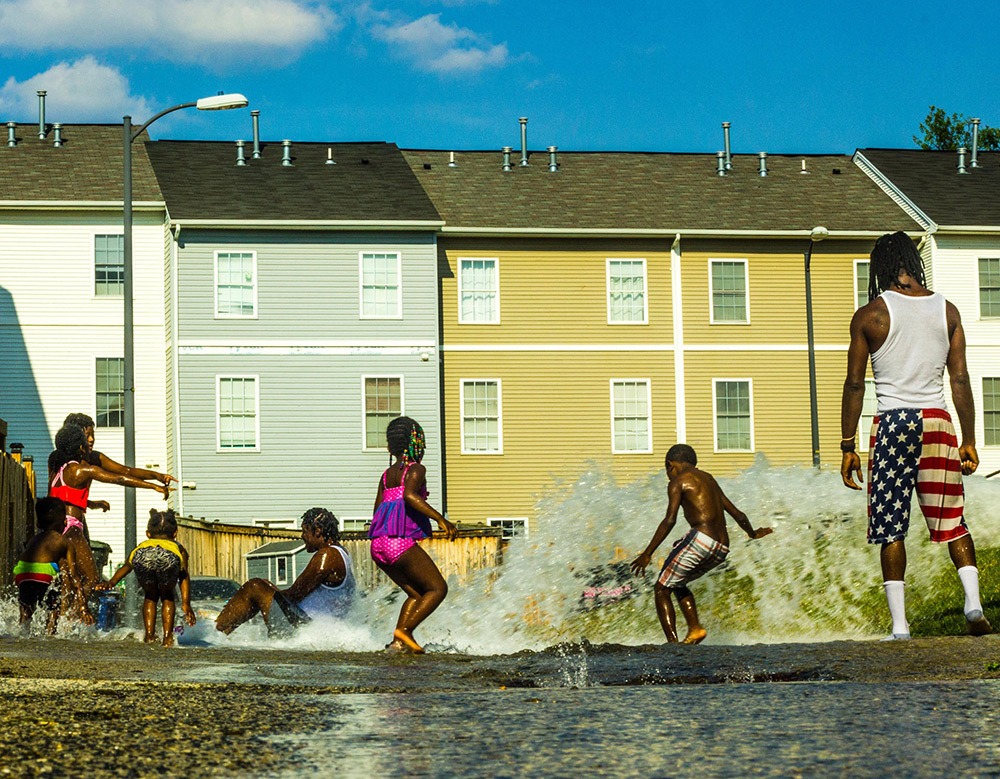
point(911, 335)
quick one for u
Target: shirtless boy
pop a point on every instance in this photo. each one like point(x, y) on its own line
point(704, 547)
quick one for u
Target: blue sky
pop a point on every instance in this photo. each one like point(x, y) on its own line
point(661, 76)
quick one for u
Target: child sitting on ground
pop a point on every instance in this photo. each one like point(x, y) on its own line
point(159, 564)
point(47, 555)
point(703, 548)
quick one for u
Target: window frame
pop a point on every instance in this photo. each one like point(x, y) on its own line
point(979, 290)
point(215, 284)
point(278, 578)
point(649, 414)
point(496, 265)
point(461, 410)
point(857, 263)
point(711, 291)
point(525, 529)
point(982, 405)
point(645, 289)
point(715, 417)
point(863, 434)
point(94, 396)
point(218, 415)
point(93, 249)
point(361, 285)
point(364, 415)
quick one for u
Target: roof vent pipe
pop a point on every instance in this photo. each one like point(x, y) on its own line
point(329, 156)
point(286, 153)
point(524, 141)
point(11, 129)
point(57, 135)
point(451, 160)
point(255, 117)
point(961, 160)
point(974, 163)
point(721, 159)
point(41, 114)
point(553, 165)
point(725, 136)
point(803, 167)
point(763, 163)
point(506, 158)
point(241, 159)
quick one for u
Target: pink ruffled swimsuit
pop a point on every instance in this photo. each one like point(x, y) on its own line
point(395, 527)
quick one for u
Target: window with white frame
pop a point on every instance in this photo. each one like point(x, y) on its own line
point(861, 283)
point(354, 524)
point(383, 403)
point(631, 427)
point(991, 411)
point(281, 570)
point(482, 418)
point(627, 292)
point(989, 287)
point(238, 413)
point(733, 415)
point(381, 296)
point(511, 527)
point(869, 410)
point(110, 386)
point(109, 265)
point(478, 290)
point(729, 282)
point(236, 285)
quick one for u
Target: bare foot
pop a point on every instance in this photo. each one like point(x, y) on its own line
point(168, 639)
point(149, 638)
point(695, 636)
point(396, 646)
point(407, 638)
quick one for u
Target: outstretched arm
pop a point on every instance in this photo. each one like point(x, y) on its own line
point(97, 473)
point(414, 480)
point(961, 392)
point(325, 562)
point(121, 573)
point(139, 473)
point(674, 494)
point(743, 521)
point(853, 400)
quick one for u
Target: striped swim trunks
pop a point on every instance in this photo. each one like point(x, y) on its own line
point(914, 447)
point(693, 556)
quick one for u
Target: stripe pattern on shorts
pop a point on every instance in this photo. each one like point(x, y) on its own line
point(693, 556)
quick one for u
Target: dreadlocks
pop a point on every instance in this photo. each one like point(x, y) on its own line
point(893, 252)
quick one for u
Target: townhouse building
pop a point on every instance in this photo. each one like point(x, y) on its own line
point(599, 307)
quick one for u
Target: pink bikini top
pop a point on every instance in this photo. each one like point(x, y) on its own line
point(72, 495)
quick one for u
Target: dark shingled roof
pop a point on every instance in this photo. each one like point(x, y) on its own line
point(930, 179)
point(646, 190)
point(369, 182)
point(88, 167)
point(277, 547)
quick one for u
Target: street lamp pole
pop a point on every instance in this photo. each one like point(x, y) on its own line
point(817, 234)
point(214, 103)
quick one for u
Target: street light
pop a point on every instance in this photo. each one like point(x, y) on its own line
point(817, 234)
point(214, 103)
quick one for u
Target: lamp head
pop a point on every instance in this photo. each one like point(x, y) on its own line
point(819, 233)
point(222, 102)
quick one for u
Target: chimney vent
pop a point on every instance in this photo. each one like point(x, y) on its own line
point(57, 140)
point(255, 116)
point(329, 156)
point(524, 141)
point(451, 160)
point(41, 114)
point(506, 158)
point(286, 153)
point(961, 160)
point(974, 163)
point(721, 160)
point(725, 135)
point(804, 167)
point(11, 129)
point(553, 165)
point(763, 163)
point(241, 159)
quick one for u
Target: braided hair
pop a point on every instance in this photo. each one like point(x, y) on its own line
point(324, 523)
point(406, 441)
point(162, 524)
point(893, 252)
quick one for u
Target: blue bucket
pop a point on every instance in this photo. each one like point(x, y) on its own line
point(107, 610)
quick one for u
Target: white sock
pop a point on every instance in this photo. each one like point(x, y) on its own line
point(897, 606)
point(969, 576)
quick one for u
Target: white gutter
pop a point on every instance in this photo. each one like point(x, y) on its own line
point(894, 192)
point(79, 205)
point(174, 360)
point(586, 232)
point(298, 224)
point(980, 229)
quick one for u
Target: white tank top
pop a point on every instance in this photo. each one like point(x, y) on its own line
point(332, 601)
point(909, 366)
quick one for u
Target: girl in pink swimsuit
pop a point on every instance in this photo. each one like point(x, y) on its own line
point(402, 517)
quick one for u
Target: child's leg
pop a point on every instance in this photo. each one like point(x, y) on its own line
point(152, 595)
point(418, 576)
point(665, 611)
point(696, 633)
point(167, 607)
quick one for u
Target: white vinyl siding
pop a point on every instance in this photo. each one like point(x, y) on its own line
point(235, 285)
point(381, 286)
point(238, 413)
point(733, 419)
point(478, 291)
point(989, 287)
point(861, 283)
point(482, 417)
point(869, 409)
point(383, 402)
point(991, 411)
point(109, 265)
point(631, 426)
point(729, 292)
point(110, 392)
point(626, 281)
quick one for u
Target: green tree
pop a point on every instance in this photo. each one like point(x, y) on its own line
point(953, 132)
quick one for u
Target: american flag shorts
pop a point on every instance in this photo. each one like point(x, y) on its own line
point(914, 447)
point(693, 555)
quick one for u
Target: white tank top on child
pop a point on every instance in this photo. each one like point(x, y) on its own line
point(909, 366)
point(327, 601)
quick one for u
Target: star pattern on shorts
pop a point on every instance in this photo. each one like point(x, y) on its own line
point(894, 458)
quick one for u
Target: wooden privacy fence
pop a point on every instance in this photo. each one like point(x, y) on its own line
point(217, 549)
point(17, 508)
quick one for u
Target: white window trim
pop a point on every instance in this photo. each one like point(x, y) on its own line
point(979, 290)
point(215, 284)
point(93, 389)
point(365, 521)
point(364, 418)
point(857, 263)
point(93, 275)
point(982, 416)
point(495, 522)
point(645, 288)
point(218, 416)
point(361, 285)
point(711, 291)
point(864, 436)
point(496, 319)
point(461, 411)
point(715, 418)
point(649, 418)
point(277, 569)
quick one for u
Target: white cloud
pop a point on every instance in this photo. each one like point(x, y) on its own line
point(79, 91)
point(186, 30)
point(442, 48)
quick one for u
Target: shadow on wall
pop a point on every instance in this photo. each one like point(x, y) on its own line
point(20, 403)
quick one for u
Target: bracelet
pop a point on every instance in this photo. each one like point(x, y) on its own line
point(843, 440)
